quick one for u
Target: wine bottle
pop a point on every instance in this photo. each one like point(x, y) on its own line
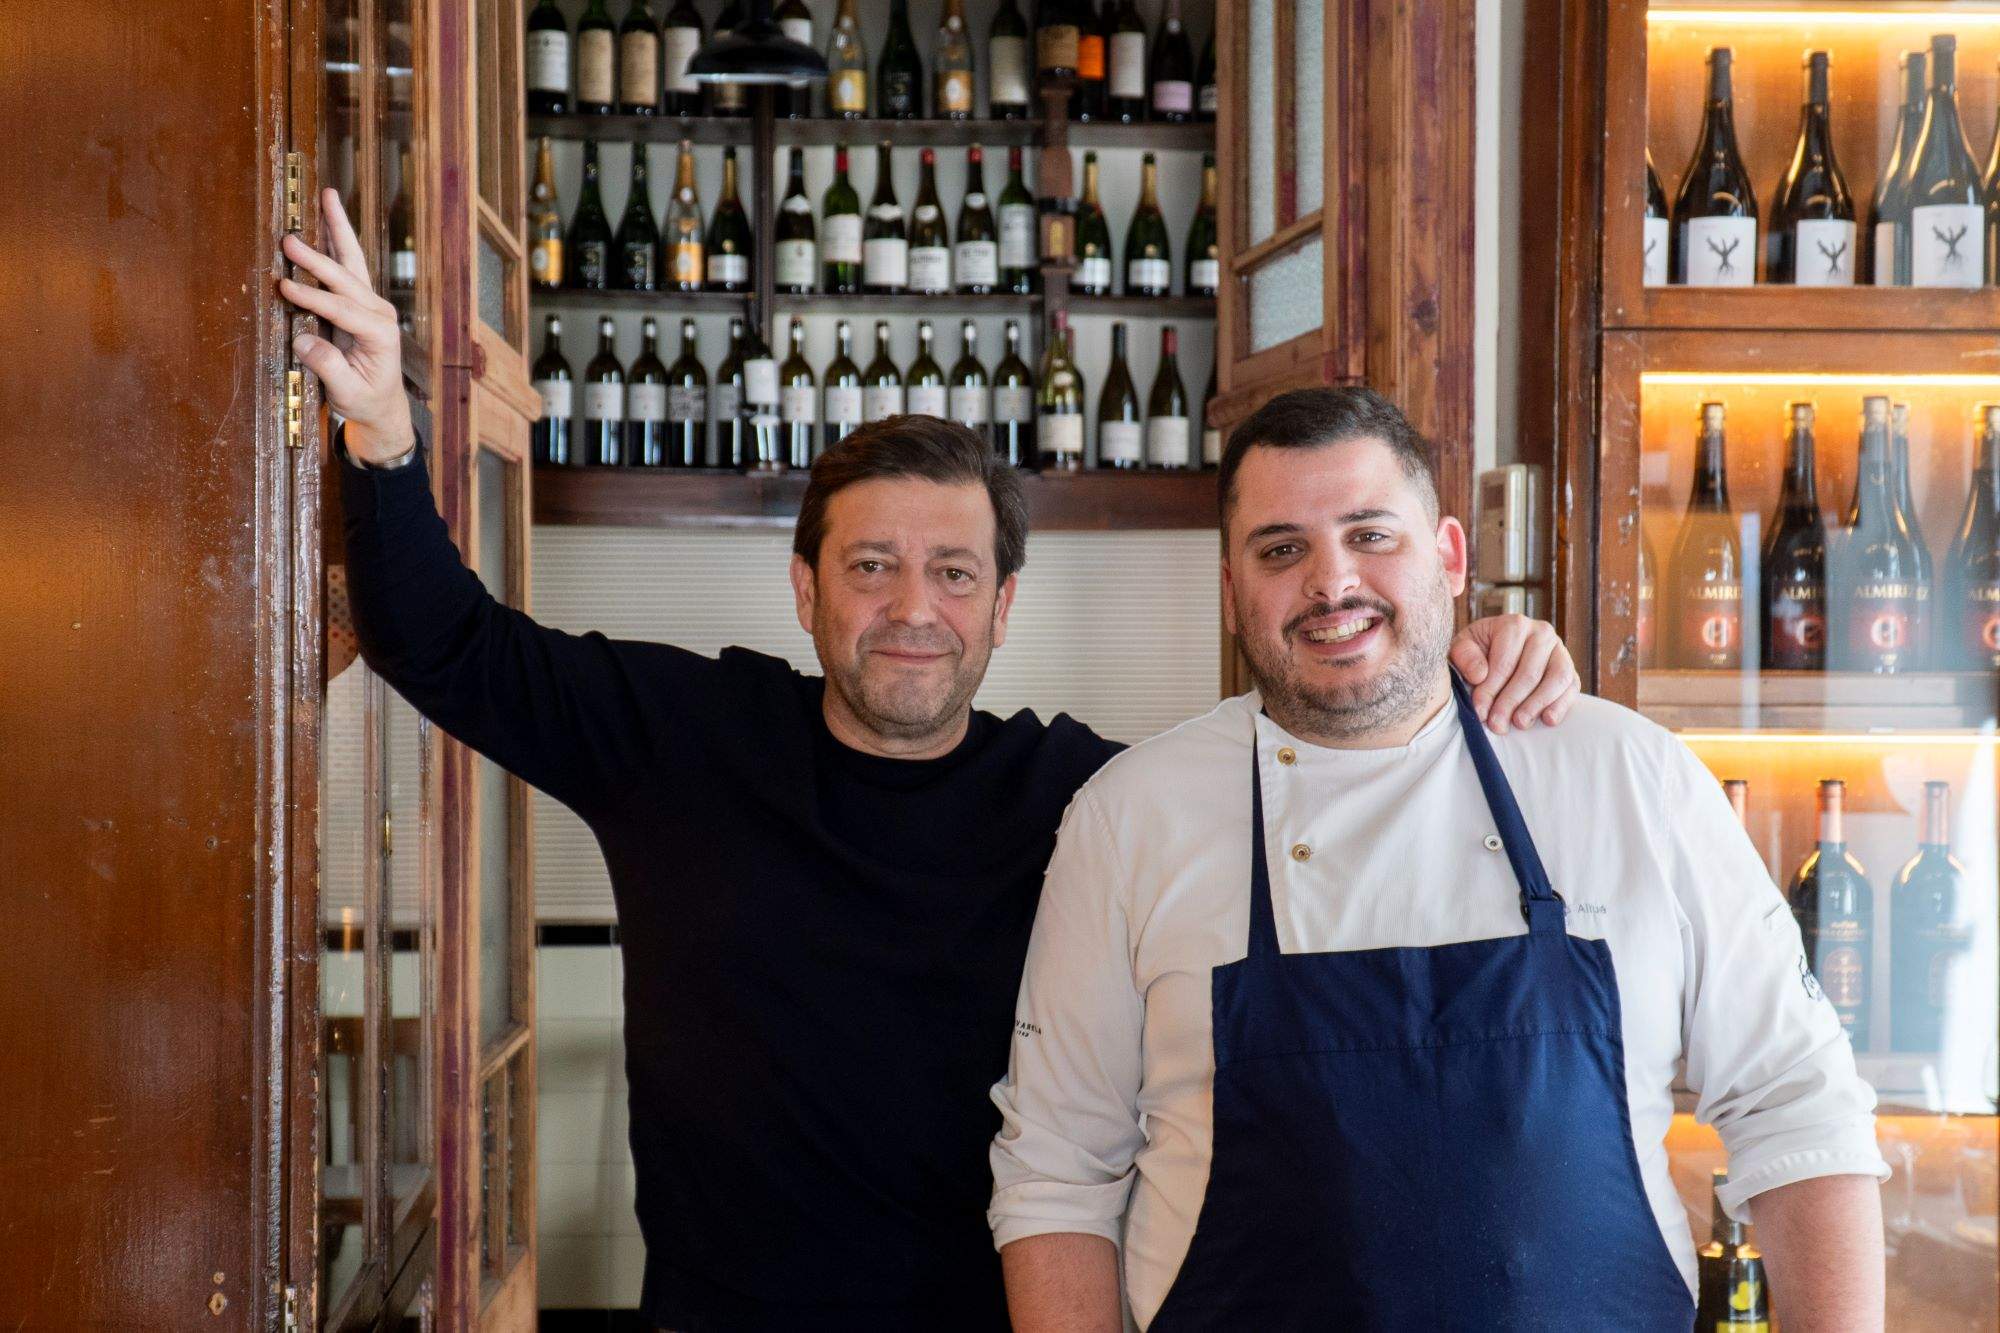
point(847, 67)
point(951, 65)
point(1708, 561)
point(885, 244)
point(681, 36)
point(725, 411)
point(1811, 236)
point(798, 403)
point(970, 394)
point(1121, 431)
point(976, 252)
point(1173, 69)
point(1007, 63)
point(1794, 573)
point(729, 99)
point(1646, 620)
point(1125, 91)
point(1093, 59)
point(402, 241)
point(1058, 35)
point(842, 383)
point(596, 61)
point(924, 390)
point(1204, 255)
point(1211, 434)
point(1092, 275)
point(1974, 606)
point(687, 405)
point(1207, 97)
point(1876, 572)
point(1734, 1295)
point(589, 241)
point(637, 244)
point(1835, 910)
point(1059, 402)
point(646, 402)
point(545, 226)
point(794, 100)
point(1906, 512)
point(639, 62)
point(761, 400)
point(1715, 215)
point(1891, 204)
point(547, 60)
point(899, 74)
point(604, 402)
point(1990, 182)
point(1947, 203)
point(1014, 404)
point(1928, 935)
point(1168, 442)
point(796, 253)
point(840, 226)
point(685, 261)
point(1019, 223)
point(1738, 792)
point(930, 238)
point(881, 386)
point(1653, 264)
point(729, 244)
point(555, 386)
point(1149, 257)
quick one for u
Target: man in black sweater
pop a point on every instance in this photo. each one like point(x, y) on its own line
point(824, 885)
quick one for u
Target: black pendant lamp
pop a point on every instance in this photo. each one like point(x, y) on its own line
point(756, 51)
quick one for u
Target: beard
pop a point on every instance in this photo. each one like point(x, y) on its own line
point(898, 703)
point(1395, 692)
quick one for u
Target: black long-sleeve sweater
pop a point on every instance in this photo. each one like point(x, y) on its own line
point(822, 947)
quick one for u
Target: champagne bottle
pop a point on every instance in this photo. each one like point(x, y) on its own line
point(924, 391)
point(847, 67)
point(596, 61)
point(545, 226)
point(899, 75)
point(1835, 909)
point(547, 60)
point(1149, 256)
point(1092, 276)
point(646, 402)
point(1204, 254)
point(1207, 97)
point(680, 38)
point(1794, 574)
point(1647, 619)
point(1708, 561)
point(1121, 431)
point(842, 383)
point(1973, 610)
point(1173, 69)
point(976, 253)
point(1653, 265)
point(604, 402)
point(881, 386)
point(1906, 511)
point(1019, 225)
point(930, 238)
point(725, 412)
point(555, 386)
point(728, 99)
point(589, 241)
point(687, 405)
point(1891, 204)
point(761, 400)
point(1014, 404)
point(794, 101)
point(885, 244)
point(798, 403)
point(840, 225)
point(1812, 215)
point(1928, 934)
point(1715, 216)
point(796, 253)
point(1877, 565)
point(1211, 434)
point(1945, 233)
point(729, 244)
point(1007, 63)
point(951, 65)
point(970, 394)
point(1733, 1292)
point(1168, 442)
point(639, 62)
point(685, 262)
point(1059, 403)
point(637, 244)
point(1125, 90)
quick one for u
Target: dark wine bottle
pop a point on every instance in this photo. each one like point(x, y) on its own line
point(1835, 908)
point(1093, 59)
point(970, 395)
point(637, 245)
point(681, 36)
point(646, 402)
point(1946, 230)
point(1019, 225)
point(798, 403)
point(1173, 69)
point(687, 405)
point(1204, 255)
point(976, 253)
point(1715, 215)
point(899, 74)
point(930, 236)
point(881, 385)
point(1733, 1293)
point(1875, 564)
point(795, 250)
point(1211, 434)
point(1928, 933)
point(847, 67)
point(589, 241)
point(925, 393)
point(840, 231)
point(639, 61)
point(596, 61)
point(603, 441)
point(1906, 512)
point(794, 101)
point(1125, 90)
point(951, 65)
point(1014, 404)
point(556, 387)
point(1168, 430)
point(1092, 274)
point(729, 99)
point(1811, 234)
point(547, 60)
point(1972, 608)
point(1007, 63)
point(1708, 561)
point(1149, 254)
point(842, 385)
point(1653, 264)
point(885, 243)
point(1207, 97)
point(1121, 431)
point(729, 244)
point(1891, 204)
point(1058, 39)
point(1794, 573)
point(733, 447)
point(1059, 402)
point(545, 226)
point(686, 265)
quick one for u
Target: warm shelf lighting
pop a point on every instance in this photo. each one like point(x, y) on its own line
point(1976, 738)
point(1753, 377)
point(1866, 18)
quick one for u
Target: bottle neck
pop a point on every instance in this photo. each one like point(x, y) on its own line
point(885, 186)
point(684, 174)
point(1801, 470)
point(1208, 175)
point(1832, 822)
point(728, 178)
point(650, 340)
point(1871, 478)
point(1937, 815)
point(687, 340)
point(975, 175)
point(1149, 184)
point(1118, 343)
point(798, 339)
point(1169, 345)
point(1711, 480)
point(1090, 182)
point(795, 182)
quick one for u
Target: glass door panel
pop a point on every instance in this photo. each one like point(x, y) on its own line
point(406, 1068)
point(400, 225)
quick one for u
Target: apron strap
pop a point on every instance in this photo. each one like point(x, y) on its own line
point(1263, 920)
point(1541, 905)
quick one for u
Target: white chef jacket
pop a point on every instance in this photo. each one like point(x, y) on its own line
point(1107, 1105)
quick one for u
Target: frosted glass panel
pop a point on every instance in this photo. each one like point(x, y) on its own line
point(493, 288)
point(1285, 297)
point(1260, 133)
point(1309, 92)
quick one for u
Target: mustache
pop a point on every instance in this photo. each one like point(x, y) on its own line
point(1319, 609)
point(904, 641)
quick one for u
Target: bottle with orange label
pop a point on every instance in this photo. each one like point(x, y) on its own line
point(1706, 599)
point(685, 267)
point(1734, 1296)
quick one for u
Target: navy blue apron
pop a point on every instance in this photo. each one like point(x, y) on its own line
point(1424, 1138)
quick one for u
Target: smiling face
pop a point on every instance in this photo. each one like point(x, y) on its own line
point(1338, 581)
point(905, 608)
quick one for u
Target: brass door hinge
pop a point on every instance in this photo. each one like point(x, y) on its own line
point(295, 186)
point(295, 408)
point(291, 1309)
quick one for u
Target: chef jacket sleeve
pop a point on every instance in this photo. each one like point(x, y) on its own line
point(1766, 1057)
point(1062, 1161)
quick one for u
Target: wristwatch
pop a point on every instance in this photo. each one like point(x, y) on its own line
point(396, 464)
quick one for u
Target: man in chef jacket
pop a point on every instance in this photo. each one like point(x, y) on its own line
point(1339, 1013)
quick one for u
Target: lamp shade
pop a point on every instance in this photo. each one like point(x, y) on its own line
point(756, 51)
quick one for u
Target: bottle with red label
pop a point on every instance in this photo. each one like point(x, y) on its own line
point(1835, 908)
point(1794, 575)
point(1972, 615)
point(1875, 570)
point(1706, 573)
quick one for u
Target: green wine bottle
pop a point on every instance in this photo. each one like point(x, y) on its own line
point(1121, 431)
point(1149, 256)
point(588, 245)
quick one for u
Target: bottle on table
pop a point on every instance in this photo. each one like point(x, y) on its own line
point(1121, 430)
point(795, 100)
point(588, 245)
point(976, 250)
point(971, 395)
point(840, 232)
point(603, 442)
point(1928, 933)
point(1059, 403)
point(1014, 404)
point(556, 387)
point(596, 61)
point(545, 225)
point(1794, 573)
point(1707, 566)
point(1835, 908)
point(1971, 611)
point(1173, 75)
point(1734, 1295)
point(681, 34)
point(1653, 260)
point(687, 405)
point(729, 244)
point(951, 65)
point(1019, 226)
point(930, 236)
point(729, 99)
point(1211, 434)
point(1092, 273)
point(847, 66)
point(795, 249)
point(899, 74)
point(1007, 63)
point(639, 61)
point(1811, 233)
point(1891, 203)
point(885, 242)
point(881, 384)
point(1207, 97)
point(798, 403)
point(637, 244)
point(731, 430)
point(1168, 429)
point(841, 399)
point(1945, 232)
point(924, 391)
point(646, 401)
point(1204, 253)
point(1149, 254)
point(547, 59)
point(1875, 566)
point(1715, 215)
point(686, 263)
point(1906, 510)
point(1125, 86)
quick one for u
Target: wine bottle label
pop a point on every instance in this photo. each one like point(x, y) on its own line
point(548, 61)
point(1205, 275)
point(1061, 433)
point(1090, 59)
point(635, 262)
point(848, 92)
point(1797, 626)
point(1128, 65)
point(603, 402)
point(796, 205)
point(728, 268)
point(841, 237)
point(886, 213)
point(1147, 275)
point(1120, 442)
point(558, 399)
point(885, 262)
point(881, 400)
point(1711, 625)
point(679, 47)
point(978, 263)
point(930, 268)
point(646, 402)
point(727, 402)
point(402, 268)
point(1947, 245)
point(1879, 617)
point(1013, 404)
point(968, 404)
point(594, 65)
point(1211, 446)
point(1210, 98)
point(1982, 626)
point(1167, 441)
point(686, 257)
point(799, 30)
point(687, 402)
point(1056, 47)
point(798, 264)
point(760, 382)
point(1009, 71)
point(800, 404)
point(1654, 263)
point(843, 404)
point(1823, 253)
point(1842, 968)
point(732, 97)
point(1017, 236)
point(1093, 273)
point(1885, 254)
point(545, 261)
point(954, 92)
point(1720, 252)
point(639, 69)
point(1171, 95)
point(899, 90)
point(593, 259)
point(927, 213)
point(928, 400)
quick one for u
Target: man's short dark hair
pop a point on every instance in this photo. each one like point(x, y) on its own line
point(1311, 418)
point(918, 446)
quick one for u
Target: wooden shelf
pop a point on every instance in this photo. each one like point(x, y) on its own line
point(1143, 307)
point(675, 303)
point(712, 498)
point(645, 129)
point(950, 303)
point(1812, 309)
point(899, 303)
point(1811, 701)
point(907, 133)
point(1193, 137)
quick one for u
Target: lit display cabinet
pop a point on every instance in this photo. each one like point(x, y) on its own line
point(1774, 501)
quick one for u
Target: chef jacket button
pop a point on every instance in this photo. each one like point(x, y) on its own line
point(1287, 755)
point(1493, 843)
point(1301, 852)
